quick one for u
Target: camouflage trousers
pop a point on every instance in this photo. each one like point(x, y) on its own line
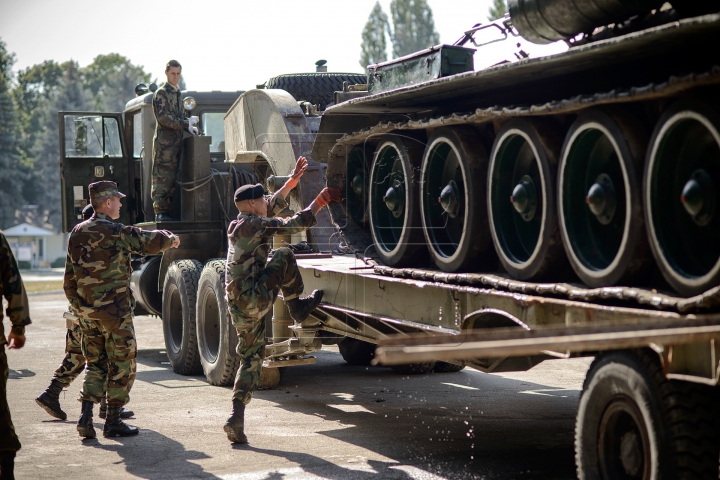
point(166, 158)
point(8, 439)
point(74, 361)
point(110, 349)
point(280, 274)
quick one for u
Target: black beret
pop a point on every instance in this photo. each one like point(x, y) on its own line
point(249, 192)
point(88, 211)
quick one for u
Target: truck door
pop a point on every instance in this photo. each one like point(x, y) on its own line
point(92, 149)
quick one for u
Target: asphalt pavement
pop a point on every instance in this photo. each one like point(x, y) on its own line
point(328, 420)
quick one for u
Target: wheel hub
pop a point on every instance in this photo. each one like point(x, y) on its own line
point(631, 454)
point(395, 199)
point(449, 199)
point(601, 199)
point(698, 197)
point(524, 198)
point(357, 184)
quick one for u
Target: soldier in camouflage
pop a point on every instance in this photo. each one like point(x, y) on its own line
point(71, 365)
point(253, 282)
point(11, 287)
point(167, 143)
point(97, 285)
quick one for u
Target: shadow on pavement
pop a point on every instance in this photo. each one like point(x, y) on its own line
point(154, 456)
point(15, 374)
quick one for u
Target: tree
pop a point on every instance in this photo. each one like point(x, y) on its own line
point(111, 79)
point(413, 26)
point(11, 173)
point(374, 46)
point(497, 10)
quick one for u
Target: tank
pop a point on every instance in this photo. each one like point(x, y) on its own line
point(596, 166)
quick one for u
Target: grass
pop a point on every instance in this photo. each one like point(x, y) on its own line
point(43, 286)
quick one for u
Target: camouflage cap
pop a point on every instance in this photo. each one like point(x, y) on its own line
point(104, 188)
point(249, 192)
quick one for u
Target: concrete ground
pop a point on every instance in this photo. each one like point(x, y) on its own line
point(327, 420)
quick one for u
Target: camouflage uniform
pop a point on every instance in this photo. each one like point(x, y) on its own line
point(74, 361)
point(11, 287)
point(167, 145)
point(97, 274)
point(253, 283)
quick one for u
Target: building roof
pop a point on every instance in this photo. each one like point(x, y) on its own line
point(27, 230)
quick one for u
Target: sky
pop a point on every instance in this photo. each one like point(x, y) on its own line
point(222, 45)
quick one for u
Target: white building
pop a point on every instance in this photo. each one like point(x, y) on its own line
point(37, 245)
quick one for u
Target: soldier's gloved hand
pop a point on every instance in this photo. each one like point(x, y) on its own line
point(193, 120)
point(300, 167)
point(193, 130)
point(328, 195)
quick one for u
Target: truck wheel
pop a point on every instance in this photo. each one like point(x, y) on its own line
point(316, 88)
point(444, 367)
point(357, 352)
point(178, 315)
point(216, 336)
point(634, 423)
point(414, 368)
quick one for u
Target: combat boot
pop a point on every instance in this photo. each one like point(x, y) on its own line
point(49, 400)
point(7, 465)
point(85, 425)
point(124, 412)
point(235, 425)
point(114, 427)
point(301, 308)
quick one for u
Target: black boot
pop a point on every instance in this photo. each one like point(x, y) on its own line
point(124, 412)
point(235, 425)
point(49, 400)
point(301, 308)
point(85, 425)
point(114, 427)
point(7, 465)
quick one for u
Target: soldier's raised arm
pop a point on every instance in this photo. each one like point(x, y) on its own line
point(147, 242)
point(13, 290)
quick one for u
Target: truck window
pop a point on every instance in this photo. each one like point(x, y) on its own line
point(91, 136)
point(137, 135)
point(214, 126)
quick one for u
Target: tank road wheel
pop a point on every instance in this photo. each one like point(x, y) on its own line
point(178, 315)
point(414, 368)
point(358, 175)
point(357, 352)
point(216, 336)
point(521, 199)
point(394, 212)
point(682, 182)
point(452, 193)
point(445, 367)
point(599, 199)
point(632, 423)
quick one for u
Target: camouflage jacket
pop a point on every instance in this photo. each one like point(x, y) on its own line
point(249, 243)
point(12, 288)
point(97, 267)
point(169, 113)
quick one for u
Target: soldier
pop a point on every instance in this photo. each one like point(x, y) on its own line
point(167, 143)
point(71, 366)
point(11, 287)
point(253, 283)
point(96, 283)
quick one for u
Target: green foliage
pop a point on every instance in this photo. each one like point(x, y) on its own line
point(58, 263)
point(413, 26)
point(497, 10)
point(24, 265)
point(111, 79)
point(11, 173)
point(373, 46)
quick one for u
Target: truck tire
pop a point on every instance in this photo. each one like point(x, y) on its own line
point(316, 88)
point(178, 315)
point(414, 368)
point(445, 367)
point(216, 335)
point(357, 352)
point(634, 423)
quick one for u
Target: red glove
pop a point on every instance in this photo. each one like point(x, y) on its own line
point(328, 195)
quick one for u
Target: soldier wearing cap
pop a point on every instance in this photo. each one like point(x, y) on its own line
point(253, 282)
point(71, 366)
point(97, 285)
point(167, 143)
